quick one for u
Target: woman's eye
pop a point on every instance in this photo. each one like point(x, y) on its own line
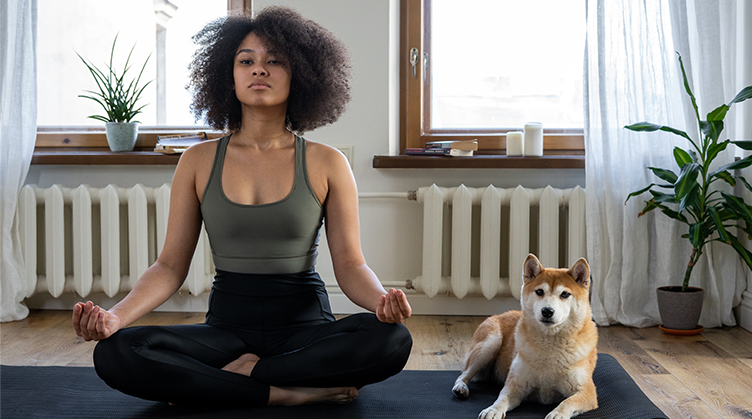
point(245, 61)
point(539, 292)
point(565, 294)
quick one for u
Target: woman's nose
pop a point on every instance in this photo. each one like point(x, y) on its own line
point(259, 71)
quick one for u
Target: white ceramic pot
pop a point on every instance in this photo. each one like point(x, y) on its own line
point(121, 136)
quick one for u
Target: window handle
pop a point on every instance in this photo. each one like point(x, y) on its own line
point(414, 59)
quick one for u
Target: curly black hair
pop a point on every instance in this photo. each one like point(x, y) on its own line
point(319, 64)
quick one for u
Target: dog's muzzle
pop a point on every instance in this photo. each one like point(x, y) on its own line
point(547, 313)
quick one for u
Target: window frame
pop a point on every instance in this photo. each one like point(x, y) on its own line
point(63, 139)
point(414, 113)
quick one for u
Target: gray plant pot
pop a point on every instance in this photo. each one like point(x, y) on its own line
point(121, 136)
point(680, 310)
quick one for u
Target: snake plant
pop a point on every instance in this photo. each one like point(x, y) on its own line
point(117, 97)
point(687, 197)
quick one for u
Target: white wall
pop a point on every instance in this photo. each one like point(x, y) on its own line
point(391, 228)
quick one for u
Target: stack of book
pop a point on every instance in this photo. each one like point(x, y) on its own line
point(172, 144)
point(445, 148)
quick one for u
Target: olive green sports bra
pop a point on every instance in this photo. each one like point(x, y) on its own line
point(279, 237)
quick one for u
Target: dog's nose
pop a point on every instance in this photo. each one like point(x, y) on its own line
point(547, 312)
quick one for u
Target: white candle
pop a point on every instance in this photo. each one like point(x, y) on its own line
point(533, 139)
point(515, 143)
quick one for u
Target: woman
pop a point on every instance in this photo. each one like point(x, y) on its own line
point(262, 193)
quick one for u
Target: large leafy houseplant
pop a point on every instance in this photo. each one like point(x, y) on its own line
point(117, 96)
point(687, 197)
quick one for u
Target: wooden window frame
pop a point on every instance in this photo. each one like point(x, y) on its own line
point(67, 144)
point(414, 95)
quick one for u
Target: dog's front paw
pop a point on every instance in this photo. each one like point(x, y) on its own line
point(461, 390)
point(557, 415)
point(492, 412)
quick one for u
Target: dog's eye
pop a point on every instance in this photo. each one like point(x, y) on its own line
point(565, 294)
point(539, 292)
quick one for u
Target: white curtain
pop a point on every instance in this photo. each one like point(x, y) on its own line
point(18, 125)
point(632, 75)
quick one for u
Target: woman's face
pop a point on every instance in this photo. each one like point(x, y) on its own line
point(262, 77)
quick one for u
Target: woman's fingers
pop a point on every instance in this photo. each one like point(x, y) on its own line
point(90, 321)
point(393, 307)
point(404, 306)
point(77, 312)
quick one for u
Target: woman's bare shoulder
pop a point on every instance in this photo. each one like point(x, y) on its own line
point(325, 155)
point(199, 154)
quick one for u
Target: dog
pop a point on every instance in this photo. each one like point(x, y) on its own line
point(546, 352)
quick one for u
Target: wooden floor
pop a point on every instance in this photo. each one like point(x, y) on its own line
point(704, 376)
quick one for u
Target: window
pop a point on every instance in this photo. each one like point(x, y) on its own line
point(487, 67)
point(161, 29)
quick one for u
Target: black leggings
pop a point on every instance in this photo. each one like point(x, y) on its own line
point(287, 323)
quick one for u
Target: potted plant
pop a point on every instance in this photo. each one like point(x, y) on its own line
point(688, 198)
point(119, 99)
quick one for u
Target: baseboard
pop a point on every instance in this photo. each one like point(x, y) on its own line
point(184, 302)
point(744, 311)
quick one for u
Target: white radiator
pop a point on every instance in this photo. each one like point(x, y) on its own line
point(475, 240)
point(98, 240)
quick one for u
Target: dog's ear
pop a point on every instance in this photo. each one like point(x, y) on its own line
point(581, 272)
point(531, 268)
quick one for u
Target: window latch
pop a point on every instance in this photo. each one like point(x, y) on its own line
point(414, 59)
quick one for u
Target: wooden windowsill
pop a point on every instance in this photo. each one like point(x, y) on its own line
point(100, 156)
point(479, 162)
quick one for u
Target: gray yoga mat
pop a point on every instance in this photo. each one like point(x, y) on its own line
point(77, 392)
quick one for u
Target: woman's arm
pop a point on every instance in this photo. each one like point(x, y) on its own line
point(167, 274)
point(354, 277)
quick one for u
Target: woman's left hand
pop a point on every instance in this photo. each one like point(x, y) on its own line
point(393, 307)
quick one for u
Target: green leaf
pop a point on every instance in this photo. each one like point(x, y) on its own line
point(737, 205)
point(743, 95)
point(687, 180)
point(726, 176)
point(675, 215)
point(691, 199)
point(711, 129)
point(739, 164)
point(640, 192)
point(686, 86)
point(719, 225)
point(649, 206)
point(696, 236)
point(744, 145)
point(650, 127)
point(741, 250)
point(664, 174)
point(746, 184)
point(714, 149)
point(718, 114)
point(663, 197)
point(681, 157)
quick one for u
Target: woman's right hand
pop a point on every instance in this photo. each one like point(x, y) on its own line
point(94, 323)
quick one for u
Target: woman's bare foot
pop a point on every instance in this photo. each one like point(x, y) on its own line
point(295, 396)
point(243, 365)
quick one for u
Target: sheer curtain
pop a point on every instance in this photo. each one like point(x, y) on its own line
point(18, 125)
point(632, 75)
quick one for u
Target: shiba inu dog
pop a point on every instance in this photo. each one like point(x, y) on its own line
point(546, 352)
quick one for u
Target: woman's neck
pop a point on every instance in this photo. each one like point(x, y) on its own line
point(262, 130)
